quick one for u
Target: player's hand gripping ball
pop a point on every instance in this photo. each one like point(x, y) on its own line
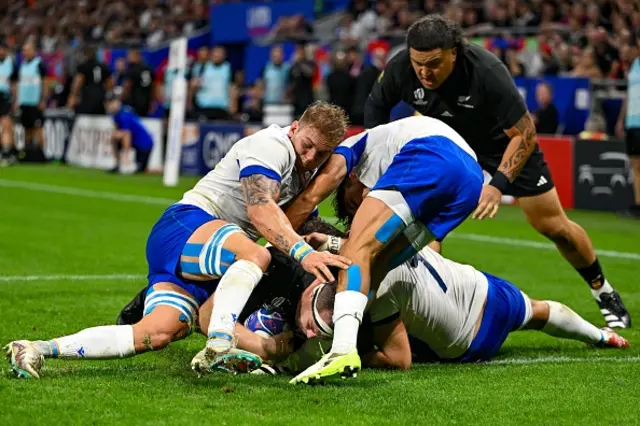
point(266, 323)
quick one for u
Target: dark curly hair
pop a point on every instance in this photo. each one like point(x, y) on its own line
point(339, 206)
point(434, 32)
point(315, 224)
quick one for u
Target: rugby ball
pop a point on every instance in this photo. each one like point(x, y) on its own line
point(266, 323)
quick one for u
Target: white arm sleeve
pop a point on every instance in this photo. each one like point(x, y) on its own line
point(266, 156)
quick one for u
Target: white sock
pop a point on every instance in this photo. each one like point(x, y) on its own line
point(566, 324)
point(606, 288)
point(232, 294)
point(105, 342)
point(347, 315)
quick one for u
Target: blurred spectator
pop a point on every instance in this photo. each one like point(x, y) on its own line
point(586, 65)
point(7, 80)
point(32, 92)
point(515, 66)
point(550, 64)
point(364, 84)
point(301, 80)
point(628, 126)
point(564, 59)
point(212, 88)
point(274, 77)
point(355, 61)
point(293, 27)
point(340, 83)
point(251, 109)
point(90, 85)
point(546, 117)
point(138, 90)
point(605, 53)
point(119, 71)
point(194, 73)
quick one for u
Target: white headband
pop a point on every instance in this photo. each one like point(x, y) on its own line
point(325, 330)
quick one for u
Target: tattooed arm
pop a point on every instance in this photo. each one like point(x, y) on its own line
point(260, 194)
point(322, 185)
point(523, 142)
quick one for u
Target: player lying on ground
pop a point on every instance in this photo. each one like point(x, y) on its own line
point(206, 241)
point(441, 310)
point(434, 309)
point(285, 286)
point(423, 180)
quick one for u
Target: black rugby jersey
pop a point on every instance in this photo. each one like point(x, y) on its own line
point(479, 99)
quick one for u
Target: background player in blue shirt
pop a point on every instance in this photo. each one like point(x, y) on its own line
point(130, 134)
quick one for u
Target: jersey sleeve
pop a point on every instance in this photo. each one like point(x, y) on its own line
point(352, 149)
point(385, 94)
point(264, 156)
point(503, 97)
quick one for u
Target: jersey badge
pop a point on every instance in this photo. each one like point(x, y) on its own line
point(419, 97)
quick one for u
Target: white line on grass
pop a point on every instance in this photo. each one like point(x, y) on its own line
point(515, 242)
point(563, 359)
point(536, 244)
point(130, 198)
point(71, 277)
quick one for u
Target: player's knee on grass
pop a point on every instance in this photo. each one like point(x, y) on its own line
point(161, 327)
point(170, 314)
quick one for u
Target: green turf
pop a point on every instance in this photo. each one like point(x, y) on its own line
point(46, 233)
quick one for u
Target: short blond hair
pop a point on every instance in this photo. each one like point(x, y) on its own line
point(329, 120)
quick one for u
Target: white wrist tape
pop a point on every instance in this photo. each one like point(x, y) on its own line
point(332, 245)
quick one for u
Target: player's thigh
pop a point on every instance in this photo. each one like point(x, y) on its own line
point(545, 213)
point(6, 124)
point(374, 226)
point(215, 246)
point(169, 314)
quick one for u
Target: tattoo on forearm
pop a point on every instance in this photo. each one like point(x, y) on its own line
point(259, 189)
point(283, 244)
point(147, 342)
point(526, 131)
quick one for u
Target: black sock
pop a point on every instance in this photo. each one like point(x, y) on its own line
point(593, 275)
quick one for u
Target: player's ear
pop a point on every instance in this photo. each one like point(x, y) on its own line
point(454, 54)
point(294, 128)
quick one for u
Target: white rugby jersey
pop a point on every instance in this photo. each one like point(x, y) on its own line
point(440, 306)
point(370, 153)
point(269, 152)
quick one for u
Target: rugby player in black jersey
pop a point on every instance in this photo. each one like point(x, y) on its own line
point(441, 75)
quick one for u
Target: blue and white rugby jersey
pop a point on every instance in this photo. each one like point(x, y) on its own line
point(268, 152)
point(370, 153)
point(438, 300)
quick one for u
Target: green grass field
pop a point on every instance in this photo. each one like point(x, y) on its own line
point(58, 222)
